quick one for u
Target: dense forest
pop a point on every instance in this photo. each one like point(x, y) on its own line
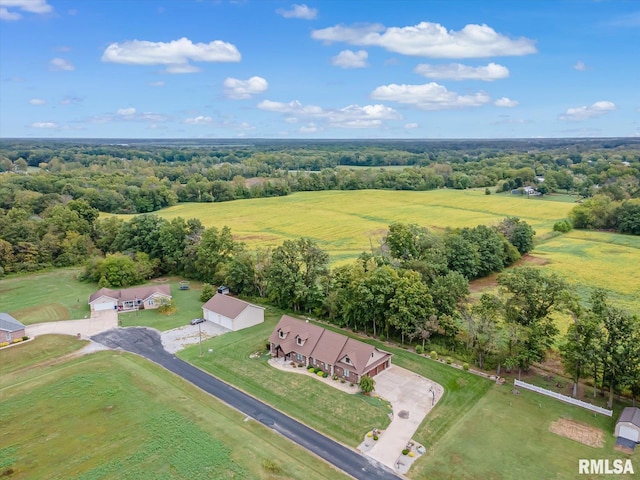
point(413, 287)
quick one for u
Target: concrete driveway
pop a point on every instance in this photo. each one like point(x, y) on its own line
point(179, 338)
point(411, 397)
point(99, 322)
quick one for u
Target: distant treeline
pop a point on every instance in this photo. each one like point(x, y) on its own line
point(143, 177)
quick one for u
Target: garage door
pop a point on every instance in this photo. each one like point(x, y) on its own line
point(99, 307)
point(630, 433)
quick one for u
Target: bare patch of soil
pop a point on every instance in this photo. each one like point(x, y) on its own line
point(580, 432)
point(532, 260)
point(481, 284)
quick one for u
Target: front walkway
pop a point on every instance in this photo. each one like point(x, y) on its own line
point(412, 398)
point(99, 322)
point(286, 366)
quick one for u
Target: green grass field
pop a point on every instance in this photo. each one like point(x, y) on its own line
point(47, 296)
point(188, 307)
point(345, 223)
point(114, 415)
point(347, 419)
point(505, 436)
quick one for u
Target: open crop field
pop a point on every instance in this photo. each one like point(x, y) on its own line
point(597, 259)
point(113, 415)
point(346, 223)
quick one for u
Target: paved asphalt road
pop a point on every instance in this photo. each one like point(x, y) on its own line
point(147, 343)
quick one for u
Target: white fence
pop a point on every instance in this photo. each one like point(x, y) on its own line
point(564, 398)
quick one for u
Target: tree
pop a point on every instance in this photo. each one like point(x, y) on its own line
point(482, 327)
point(462, 255)
point(207, 292)
point(531, 296)
point(518, 232)
point(579, 349)
point(216, 247)
point(490, 248)
point(628, 217)
point(297, 274)
point(410, 305)
point(367, 384)
point(448, 292)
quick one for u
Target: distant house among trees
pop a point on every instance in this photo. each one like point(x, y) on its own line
point(303, 342)
point(525, 191)
point(130, 299)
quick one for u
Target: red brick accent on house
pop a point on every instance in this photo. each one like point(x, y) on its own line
point(303, 342)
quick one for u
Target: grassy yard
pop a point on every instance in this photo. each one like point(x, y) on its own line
point(505, 436)
point(344, 417)
point(47, 296)
point(188, 307)
point(36, 351)
point(117, 416)
point(346, 222)
point(58, 295)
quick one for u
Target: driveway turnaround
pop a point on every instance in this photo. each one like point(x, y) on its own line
point(99, 322)
point(147, 343)
point(411, 397)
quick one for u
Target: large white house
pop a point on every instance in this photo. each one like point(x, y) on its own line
point(231, 312)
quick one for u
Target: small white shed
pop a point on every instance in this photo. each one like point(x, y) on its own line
point(231, 312)
point(628, 425)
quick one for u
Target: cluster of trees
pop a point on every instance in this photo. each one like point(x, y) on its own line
point(603, 213)
point(144, 177)
point(603, 344)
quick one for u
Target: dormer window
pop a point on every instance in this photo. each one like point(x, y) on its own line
point(281, 334)
point(299, 341)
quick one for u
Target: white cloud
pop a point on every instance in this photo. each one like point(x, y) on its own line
point(126, 112)
point(70, 100)
point(9, 16)
point(199, 120)
point(159, 83)
point(37, 101)
point(458, 71)
point(44, 125)
point(585, 113)
point(580, 66)
point(298, 11)
point(428, 39)
point(31, 6)
point(309, 128)
point(60, 64)
point(242, 89)
point(430, 96)
point(411, 126)
point(352, 116)
point(506, 102)
point(176, 54)
point(351, 59)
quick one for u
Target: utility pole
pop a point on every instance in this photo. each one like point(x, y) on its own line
point(200, 333)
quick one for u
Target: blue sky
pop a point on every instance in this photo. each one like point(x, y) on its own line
point(319, 69)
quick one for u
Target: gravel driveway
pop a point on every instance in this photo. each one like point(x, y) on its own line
point(179, 338)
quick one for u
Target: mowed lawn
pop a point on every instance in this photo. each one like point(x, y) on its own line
point(59, 295)
point(343, 416)
point(506, 436)
point(113, 415)
point(47, 296)
point(345, 223)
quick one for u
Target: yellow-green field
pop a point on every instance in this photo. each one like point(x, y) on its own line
point(345, 223)
point(597, 259)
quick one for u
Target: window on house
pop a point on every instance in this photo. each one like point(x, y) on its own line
point(299, 341)
point(281, 334)
point(151, 302)
point(347, 360)
point(8, 336)
point(346, 374)
point(299, 357)
point(326, 366)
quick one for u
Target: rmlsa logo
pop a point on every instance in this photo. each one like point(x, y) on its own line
point(600, 467)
